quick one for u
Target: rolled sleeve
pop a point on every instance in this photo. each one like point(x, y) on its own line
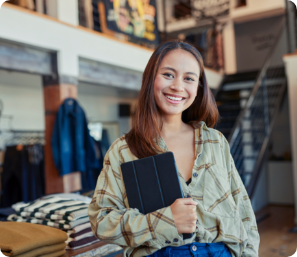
point(244, 207)
point(114, 222)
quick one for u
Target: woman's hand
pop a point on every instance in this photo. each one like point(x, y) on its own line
point(184, 215)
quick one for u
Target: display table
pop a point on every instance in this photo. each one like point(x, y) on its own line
point(70, 253)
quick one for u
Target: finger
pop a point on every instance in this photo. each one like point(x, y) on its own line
point(188, 201)
point(191, 208)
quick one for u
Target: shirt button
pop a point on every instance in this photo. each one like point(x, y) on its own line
point(194, 248)
point(195, 174)
point(168, 242)
point(175, 240)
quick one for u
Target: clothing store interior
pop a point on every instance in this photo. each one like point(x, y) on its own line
point(70, 76)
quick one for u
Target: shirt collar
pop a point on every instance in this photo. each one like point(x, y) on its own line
point(199, 128)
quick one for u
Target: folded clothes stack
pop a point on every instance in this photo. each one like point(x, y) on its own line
point(80, 236)
point(63, 213)
point(31, 240)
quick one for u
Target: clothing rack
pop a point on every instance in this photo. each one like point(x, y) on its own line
point(25, 137)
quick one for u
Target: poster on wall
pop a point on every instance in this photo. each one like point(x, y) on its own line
point(136, 18)
point(204, 9)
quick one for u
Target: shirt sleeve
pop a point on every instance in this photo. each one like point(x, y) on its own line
point(244, 207)
point(114, 222)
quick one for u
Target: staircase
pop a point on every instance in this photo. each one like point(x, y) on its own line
point(248, 104)
point(231, 99)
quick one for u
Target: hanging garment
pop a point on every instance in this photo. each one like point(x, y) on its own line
point(210, 49)
point(72, 146)
point(89, 14)
point(30, 5)
point(203, 40)
point(219, 50)
point(14, 189)
point(105, 143)
point(40, 6)
point(101, 147)
point(82, 13)
point(36, 177)
point(23, 174)
point(96, 18)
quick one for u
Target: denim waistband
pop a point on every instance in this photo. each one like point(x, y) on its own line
point(192, 249)
point(200, 247)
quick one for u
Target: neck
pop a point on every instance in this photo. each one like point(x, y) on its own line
point(172, 124)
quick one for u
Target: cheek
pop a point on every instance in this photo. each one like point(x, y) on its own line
point(193, 92)
point(158, 85)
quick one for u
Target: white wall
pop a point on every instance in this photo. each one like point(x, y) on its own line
point(22, 96)
point(256, 9)
point(280, 182)
point(101, 104)
point(254, 40)
point(281, 137)
point(67, 11)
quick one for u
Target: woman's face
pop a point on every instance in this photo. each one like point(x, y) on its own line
point(176, 82)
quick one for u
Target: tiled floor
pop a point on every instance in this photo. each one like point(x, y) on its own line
point(275, 238)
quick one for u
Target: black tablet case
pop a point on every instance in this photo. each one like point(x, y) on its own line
point(152, 183)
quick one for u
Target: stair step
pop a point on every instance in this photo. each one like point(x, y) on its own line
point(243, 76)
point(227, 98)
point(229, 107)
point(227, 118)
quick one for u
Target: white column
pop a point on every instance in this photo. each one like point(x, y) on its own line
point(229, 48)
point(291, 64)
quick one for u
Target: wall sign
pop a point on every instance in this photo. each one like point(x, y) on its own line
point(136, 18)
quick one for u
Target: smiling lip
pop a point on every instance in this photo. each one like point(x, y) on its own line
point(179, 96)
point(174, 101)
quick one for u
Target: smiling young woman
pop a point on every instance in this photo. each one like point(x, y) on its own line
point(176, 112)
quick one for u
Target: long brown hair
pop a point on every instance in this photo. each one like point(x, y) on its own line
point(146, 126)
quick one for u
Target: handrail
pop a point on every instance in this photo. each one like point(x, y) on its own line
point(235, 129)
point(251, 188)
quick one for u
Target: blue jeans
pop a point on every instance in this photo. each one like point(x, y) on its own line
point(194, 249)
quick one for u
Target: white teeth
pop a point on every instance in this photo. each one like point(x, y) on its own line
point(174, 98)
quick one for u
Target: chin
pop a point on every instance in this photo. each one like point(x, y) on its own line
point(166, 111)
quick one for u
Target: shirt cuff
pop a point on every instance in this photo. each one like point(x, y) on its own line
point(165, 230)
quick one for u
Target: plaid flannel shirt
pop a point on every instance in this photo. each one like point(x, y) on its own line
point(224, 209)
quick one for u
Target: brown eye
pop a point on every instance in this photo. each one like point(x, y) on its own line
point(189, 79)
point(168, 75)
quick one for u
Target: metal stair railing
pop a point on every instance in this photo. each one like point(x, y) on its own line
point(250, 136)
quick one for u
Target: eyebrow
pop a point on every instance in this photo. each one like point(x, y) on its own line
point(189, 72)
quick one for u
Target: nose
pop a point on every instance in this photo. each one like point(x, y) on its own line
point(177, 86)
